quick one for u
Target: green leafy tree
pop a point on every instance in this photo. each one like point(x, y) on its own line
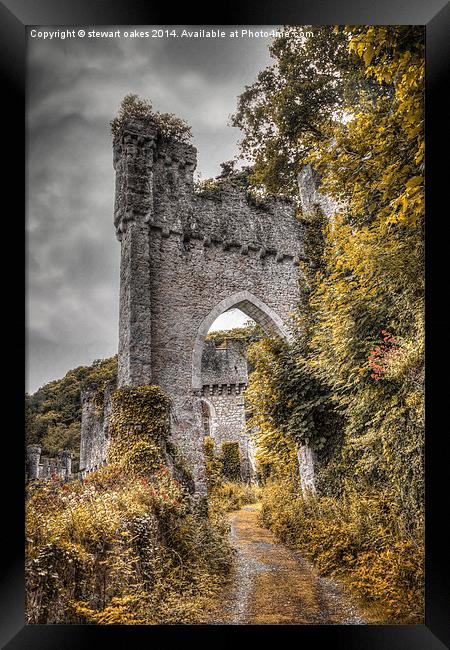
point(294, 103)
point(60, 437)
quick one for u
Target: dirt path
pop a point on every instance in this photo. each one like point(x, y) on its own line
point(273, 584)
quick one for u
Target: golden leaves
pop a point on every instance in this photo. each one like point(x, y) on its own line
point(355, 539)
point(139, 425)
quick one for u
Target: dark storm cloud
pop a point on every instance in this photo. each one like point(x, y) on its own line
point(74, 89)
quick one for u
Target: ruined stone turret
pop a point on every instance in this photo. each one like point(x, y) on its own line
point(33, 459)
point(312, 199)
point(186, 257)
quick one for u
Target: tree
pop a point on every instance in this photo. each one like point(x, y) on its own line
point(366, 276)
point(60, 437)
point(293, 103)
point(358, 356)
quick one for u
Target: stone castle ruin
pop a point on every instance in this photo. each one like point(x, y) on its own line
point(186, 258)
point(44, 467)
point(224, 380)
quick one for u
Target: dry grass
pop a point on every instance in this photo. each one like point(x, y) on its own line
point(121, 549)
point(230, 495)
point(356, 541)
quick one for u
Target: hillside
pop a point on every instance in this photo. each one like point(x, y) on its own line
point(53, 413)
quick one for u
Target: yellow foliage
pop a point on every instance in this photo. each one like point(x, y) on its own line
point(122, 546)
point(230, 496)
point(363, 281)
point(356, 541)
point(272, 448)
point(139, 426)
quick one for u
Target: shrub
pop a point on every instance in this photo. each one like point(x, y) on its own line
point(169, 125)
point(119, 548)
point(213, 466)
point(231, 496)
point(355, 539)
point(139, 427)
point(123, 546)
point(231, 461)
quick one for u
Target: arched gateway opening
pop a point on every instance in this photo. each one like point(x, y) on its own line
point(250, 305)
point(187, 257)
point(220, 375)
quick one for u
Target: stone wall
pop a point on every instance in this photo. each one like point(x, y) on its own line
point(96, 411)
point(225, 364)
point(185, 258)
point(45, 467)
point(227, 410)
point(224, 377)
point(185, 254)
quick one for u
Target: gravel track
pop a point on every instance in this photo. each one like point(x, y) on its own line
point(275, 585)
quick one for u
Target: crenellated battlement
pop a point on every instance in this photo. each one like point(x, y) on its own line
point(155, 186)
point(209, 390)
point(45, 467)
point(189, 239)
point(141, 135)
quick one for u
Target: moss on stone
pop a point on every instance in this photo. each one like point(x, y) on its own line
point(139, 427)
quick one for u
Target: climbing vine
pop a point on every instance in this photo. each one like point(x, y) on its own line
point(230, 459)
point(139, 427)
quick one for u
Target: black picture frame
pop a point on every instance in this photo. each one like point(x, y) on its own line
point(15, 17)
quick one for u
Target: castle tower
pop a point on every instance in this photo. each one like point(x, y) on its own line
point(187, 257)
point(145, 165)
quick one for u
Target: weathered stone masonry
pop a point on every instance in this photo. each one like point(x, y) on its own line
point(224, 378)
point(44, 467)
point(94, 427)
point(182, 256)
point(186, 258)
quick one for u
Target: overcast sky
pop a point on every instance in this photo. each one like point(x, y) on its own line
point(74, 88)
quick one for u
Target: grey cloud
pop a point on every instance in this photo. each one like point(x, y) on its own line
point(74, 88)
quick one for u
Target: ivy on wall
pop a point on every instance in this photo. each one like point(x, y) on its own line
point(139, 428)
point(231, 461)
